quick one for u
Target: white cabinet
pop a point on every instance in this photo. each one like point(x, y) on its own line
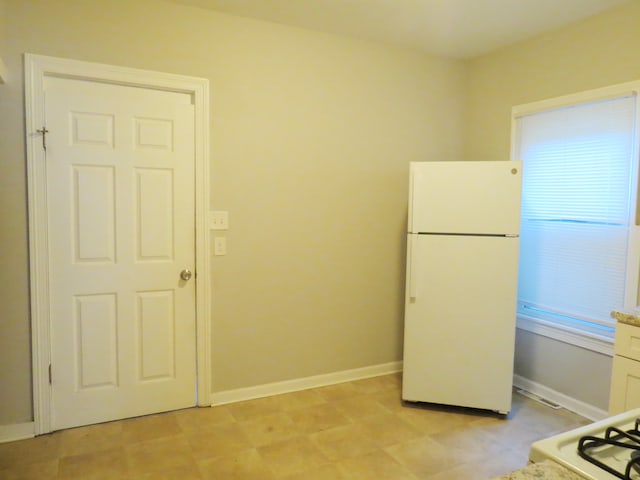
point(625, 378)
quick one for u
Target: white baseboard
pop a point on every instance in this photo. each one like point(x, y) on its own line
point(276, 388)
point(17, 431)
point(570, 403)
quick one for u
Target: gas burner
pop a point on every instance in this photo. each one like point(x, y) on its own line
point(635, 456)
point(591, 446)
point(608, 449)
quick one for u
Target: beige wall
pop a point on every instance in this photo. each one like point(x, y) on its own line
point(600, 51)
point(2, 23)
point(311, 136)
point(594, 53)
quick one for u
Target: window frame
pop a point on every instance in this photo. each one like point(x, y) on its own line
point(547, 328)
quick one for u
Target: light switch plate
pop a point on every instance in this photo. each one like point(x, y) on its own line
point(219, 245)
point(219, 220)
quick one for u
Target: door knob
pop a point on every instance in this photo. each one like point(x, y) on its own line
point(185, 274)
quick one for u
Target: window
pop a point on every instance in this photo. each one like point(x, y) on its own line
point(578, 258)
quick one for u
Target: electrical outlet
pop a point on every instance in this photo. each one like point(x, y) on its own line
point(219, 245)
point(219, 220)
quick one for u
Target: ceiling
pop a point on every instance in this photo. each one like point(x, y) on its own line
point(451, 28)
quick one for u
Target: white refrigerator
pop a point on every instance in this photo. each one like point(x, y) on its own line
point(461, 285)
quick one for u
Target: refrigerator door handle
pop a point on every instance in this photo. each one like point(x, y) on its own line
point(412, 256)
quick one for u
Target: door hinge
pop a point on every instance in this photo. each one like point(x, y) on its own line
point(49, 374)
point(44, 132)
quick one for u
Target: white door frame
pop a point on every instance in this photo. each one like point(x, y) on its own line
point(37, 68)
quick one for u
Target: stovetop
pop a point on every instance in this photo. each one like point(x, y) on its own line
point(604, 456)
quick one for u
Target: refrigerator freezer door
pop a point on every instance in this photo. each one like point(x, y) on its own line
point(465, 197)
point(460, 322)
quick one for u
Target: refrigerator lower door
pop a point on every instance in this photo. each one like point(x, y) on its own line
point(460, 320)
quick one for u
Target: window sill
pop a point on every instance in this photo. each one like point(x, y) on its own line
point(568, 335)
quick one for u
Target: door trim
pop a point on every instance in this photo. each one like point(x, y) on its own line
point(37, 68)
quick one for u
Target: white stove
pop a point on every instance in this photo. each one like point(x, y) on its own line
point(608, 449)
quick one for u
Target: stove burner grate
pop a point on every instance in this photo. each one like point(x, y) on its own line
point(615, 437)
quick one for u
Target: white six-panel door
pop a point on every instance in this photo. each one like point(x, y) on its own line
point(120, 179)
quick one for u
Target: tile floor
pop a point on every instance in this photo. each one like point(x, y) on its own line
point(354, 430)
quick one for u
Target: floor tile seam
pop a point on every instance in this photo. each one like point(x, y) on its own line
point(377, 403)
point(22, 467)
point(245, 439)
point(244, 417)
point(261, 418)
point(20, 462)
point(150, 442)
point(363, 419)
point(80, 456)
point(464, 430)
point(409, 441)
point(70, 472)
point(132, 469)
point(320, 425)
point(549, 431)
point(358, 427)
point(276, 408)
point(342, 467)
point(195, 445)
point(372, 391)
point(252, 417)
point(513, 451)
point(510, 440)
point(417, 471)
point(298, 475)
point(462, 453)
point(367, 450)
point(65, 455)
point(186, 426)
point(302, 407)
point(283, 404)
point(297, 424)
point(324, 400)
point(126, 455)
point(149, 437)
point(69, 440)
point(282, 441)
point(515, 436)
point(208, 460)
point(409, 423)
point(212, 456)
point(203, 429)
point(488, 420)
point(278, 475)
point(275, 473)
point(477, 453)
point(357, 424)
point(118, 439)
point(295, 433)
point(208, 426)
point(484, 465)
point(377, 400)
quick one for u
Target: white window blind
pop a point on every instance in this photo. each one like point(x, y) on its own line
point(576, 208)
